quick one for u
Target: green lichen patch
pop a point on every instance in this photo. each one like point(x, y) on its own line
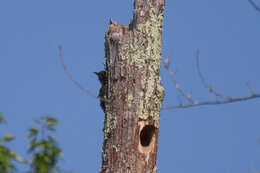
point(109, 125)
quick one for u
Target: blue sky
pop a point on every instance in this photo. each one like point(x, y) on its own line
point(213, 139)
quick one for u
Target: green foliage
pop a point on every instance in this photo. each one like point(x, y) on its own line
point(7, 137)
point(44, 148)
point(6, 155)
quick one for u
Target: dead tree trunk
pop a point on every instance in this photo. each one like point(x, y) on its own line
point(133, 91)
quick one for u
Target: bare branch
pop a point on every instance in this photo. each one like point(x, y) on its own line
point(202, 103)
point(254, 5)
point(220, 98)
point(71, 76)
point(177, 86)
point(210, 89)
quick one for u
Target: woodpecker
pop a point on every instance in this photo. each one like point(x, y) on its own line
point(102, 77)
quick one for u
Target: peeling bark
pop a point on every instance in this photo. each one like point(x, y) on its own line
point(134, 91)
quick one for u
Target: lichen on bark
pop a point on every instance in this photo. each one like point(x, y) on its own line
point(135, 93)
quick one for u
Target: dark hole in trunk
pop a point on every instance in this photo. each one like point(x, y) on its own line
point(146, 135)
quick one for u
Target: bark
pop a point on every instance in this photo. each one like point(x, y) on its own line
point(134, 91)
